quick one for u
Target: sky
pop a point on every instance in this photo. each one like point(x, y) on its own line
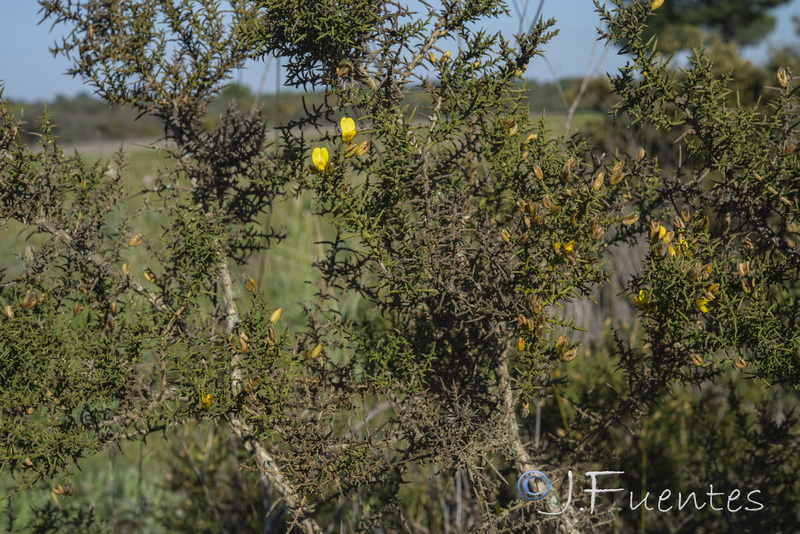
point(30, 72)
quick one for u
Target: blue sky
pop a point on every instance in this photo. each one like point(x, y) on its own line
point(31, 72)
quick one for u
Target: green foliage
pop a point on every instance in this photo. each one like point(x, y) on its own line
point(443, 352)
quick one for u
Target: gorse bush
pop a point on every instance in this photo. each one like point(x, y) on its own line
point(440, 357)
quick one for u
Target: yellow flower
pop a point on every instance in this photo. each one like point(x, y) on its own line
point(348, 127)
point(205, 400)
point(642, 300)
point(569, 246)
point(320, 158)
point(702, 304)
point(655, 4)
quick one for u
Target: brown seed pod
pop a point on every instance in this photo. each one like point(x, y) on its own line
point(616, 173)
point(352, 150)
point(252, 384)
point(597, 183)
point(238, 343)
point(363, 148)
point(30, 300)
point(58, 489)
point(570, 355)
point(630, 219)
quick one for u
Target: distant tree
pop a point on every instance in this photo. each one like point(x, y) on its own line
point(744, 22)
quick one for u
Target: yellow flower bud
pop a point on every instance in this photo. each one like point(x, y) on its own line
point(276, 316)
point(320, 158)
point(205, 400)
point(316, 352)
point(348, 127)
point(655, 4)
point(521, 344)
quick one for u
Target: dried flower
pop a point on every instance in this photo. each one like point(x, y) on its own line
point(250, 285)
point(783, 78)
